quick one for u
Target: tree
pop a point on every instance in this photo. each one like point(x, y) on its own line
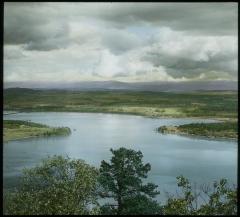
point(220, 200)
point(121, 181)
point(58, 186)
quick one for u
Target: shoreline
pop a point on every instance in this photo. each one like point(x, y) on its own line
point(30, 137)
point(218, 120)
point(201, 137)
point(15, 130)
point(134, 114)
point(201, 132)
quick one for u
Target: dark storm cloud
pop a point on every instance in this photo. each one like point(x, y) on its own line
point(202, 18)
point(178, 66)
point(33, 27)
point(175, 40)
point(25, 22)
point(119, 42)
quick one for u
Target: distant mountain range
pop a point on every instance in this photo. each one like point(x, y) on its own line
point(137, 86)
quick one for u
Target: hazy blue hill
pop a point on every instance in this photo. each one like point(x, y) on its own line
point(19, 90)
point(137, 86)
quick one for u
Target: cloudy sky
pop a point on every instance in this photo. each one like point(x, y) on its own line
point(127, 42)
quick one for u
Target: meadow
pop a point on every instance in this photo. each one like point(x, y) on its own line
point(205, 104)
point(15, 129)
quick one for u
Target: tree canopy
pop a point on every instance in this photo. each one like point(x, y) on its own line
point(57, 186)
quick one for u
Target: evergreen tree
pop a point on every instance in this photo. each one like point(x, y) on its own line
point(121, 181)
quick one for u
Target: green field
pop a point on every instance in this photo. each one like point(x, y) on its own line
point(14, 130)
point(210, 130)
point(211, 104)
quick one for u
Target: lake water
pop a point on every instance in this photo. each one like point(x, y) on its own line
point(200, 160)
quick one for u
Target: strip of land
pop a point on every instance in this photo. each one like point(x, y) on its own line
point(15, 130)
point(221, 105)
point(208, 130)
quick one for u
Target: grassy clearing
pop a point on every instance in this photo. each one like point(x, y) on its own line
point(14, 130)
point(205, 104)
point(210, 130)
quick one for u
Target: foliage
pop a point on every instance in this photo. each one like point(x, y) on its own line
point(63, 186)
point(141, 205)
point(220, 130)
point(58, 186)
point(121, 180)
point(221, 200)
point(210, 126)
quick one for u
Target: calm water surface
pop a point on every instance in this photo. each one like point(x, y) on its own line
point(93, 134)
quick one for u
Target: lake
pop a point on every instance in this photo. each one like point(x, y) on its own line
point(93, 134)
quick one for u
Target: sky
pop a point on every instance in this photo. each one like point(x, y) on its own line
point(128, 42)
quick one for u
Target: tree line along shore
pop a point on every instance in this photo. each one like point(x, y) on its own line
point(208, 130)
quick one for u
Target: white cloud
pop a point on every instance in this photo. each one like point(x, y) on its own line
point(70, 42)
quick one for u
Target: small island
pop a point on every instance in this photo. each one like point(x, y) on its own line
point(16, 129)
point(209, 130)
